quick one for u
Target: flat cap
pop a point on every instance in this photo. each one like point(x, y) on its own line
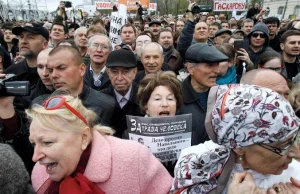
point(223, 31)
point(204, 53)
point(121, 58)
point(154, 22)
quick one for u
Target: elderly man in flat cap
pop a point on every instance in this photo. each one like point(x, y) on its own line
point(121, 72)
point(202, 61)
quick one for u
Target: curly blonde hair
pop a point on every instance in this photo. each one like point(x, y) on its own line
point(45, 117)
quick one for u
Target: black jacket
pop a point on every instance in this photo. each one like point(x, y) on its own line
point(191, 104)
point(131, 108)
point(275, 43)
point(139, 76)
point(102, 104)
point(252, 12)
point(89, 80)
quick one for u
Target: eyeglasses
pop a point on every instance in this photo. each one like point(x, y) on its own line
point(57, 102)
point(96, 46)
point(281, 151)
point(255, 35)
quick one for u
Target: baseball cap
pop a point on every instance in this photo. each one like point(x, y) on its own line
point(32, 28)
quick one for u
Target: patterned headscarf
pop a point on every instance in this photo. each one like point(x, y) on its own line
point(238, 116)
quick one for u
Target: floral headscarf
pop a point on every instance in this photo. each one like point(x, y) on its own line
point(238, 116)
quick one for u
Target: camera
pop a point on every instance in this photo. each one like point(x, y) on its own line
point(10, 87)
point(201, 8)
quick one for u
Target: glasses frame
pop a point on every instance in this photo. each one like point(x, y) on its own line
point(280, 151)
point(63, 102)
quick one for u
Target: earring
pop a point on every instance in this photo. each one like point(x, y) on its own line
point(240, 158)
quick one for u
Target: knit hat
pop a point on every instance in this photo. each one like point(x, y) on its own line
point(14, 178)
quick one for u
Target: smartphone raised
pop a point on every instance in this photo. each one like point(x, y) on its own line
point(238, 44)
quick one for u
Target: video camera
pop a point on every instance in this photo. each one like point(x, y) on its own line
point(10, 87)
point(201, 8)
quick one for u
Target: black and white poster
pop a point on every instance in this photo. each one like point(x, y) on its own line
point(164, 136)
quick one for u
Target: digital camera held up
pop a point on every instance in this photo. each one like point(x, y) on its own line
point(10, 87)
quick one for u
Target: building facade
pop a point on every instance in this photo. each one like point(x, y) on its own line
point(283, 9)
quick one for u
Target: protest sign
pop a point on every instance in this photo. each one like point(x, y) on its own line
point(131, 4)
point(116, 22)
point(103, 5)
point(229, 5)
point(89, 9)
point(164, 136)
point(152, 6)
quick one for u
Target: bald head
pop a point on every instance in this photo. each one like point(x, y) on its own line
point(152, 46)
point(42, 68)
point(268, 79)
point(43, 54)
point(152, 57)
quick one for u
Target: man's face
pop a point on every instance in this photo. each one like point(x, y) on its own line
point(291, 46)
point(99, 51)
point(247, 27)
point(212, 31)
point(219, 40)
point(65, 71)
point(30, 45)
point(155, 28)
point(257, 39)
point(179, 25)
point(256, 5)
point(201, 31)
point(43, 70)
point(81, 38)
point(210, 19)
point(57, 32)
point(146, 27)
point(225, 26)
point(152, 59)
point(121, 78)
point(140, 42)
point(165, 40)
point(127, 35)
point(137, 23)
point(273, 29)
point(8, 36)
point(204, 74)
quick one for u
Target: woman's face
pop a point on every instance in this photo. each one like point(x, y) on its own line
point(223, 67)
point(58, 150)
point(161, 103)
point(265, 161)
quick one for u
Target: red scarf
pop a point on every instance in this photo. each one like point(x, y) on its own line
point(76, 183)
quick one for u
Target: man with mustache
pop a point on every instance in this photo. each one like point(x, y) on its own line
point(155, 27)
point(171, 55)
point(202, 61)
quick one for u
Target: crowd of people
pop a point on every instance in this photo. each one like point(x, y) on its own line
point(239, 79)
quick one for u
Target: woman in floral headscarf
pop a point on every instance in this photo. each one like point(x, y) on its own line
point(252, 129)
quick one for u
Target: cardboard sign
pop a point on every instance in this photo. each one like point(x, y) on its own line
point(164, 136)
point(116, 22)
point(229, 5)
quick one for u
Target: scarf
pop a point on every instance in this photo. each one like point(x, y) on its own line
point(76, 183)
point(237, 116)
point(228, 78)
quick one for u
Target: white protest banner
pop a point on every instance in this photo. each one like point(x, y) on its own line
point(164, 136)
point(116, 22)
point(152, 6)
point(229, 5)
point(103, 5)
point(90, 9)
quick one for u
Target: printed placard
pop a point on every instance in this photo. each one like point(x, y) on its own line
point(229, 5)
point(164, 136)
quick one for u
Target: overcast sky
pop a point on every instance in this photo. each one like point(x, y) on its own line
point(53, 4)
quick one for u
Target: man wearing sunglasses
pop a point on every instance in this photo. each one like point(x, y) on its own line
point(257, 42)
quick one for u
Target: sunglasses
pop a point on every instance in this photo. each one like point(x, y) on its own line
point(281, 151)
point(255, 35)
point(56, 102)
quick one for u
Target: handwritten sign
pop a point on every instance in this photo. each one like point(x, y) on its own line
point(229, 5)
point(164, 136)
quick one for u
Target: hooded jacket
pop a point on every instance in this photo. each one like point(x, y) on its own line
point(254, 56)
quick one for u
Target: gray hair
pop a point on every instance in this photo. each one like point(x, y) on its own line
point(161, 51)
point(100, 36)
point(78, 30)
